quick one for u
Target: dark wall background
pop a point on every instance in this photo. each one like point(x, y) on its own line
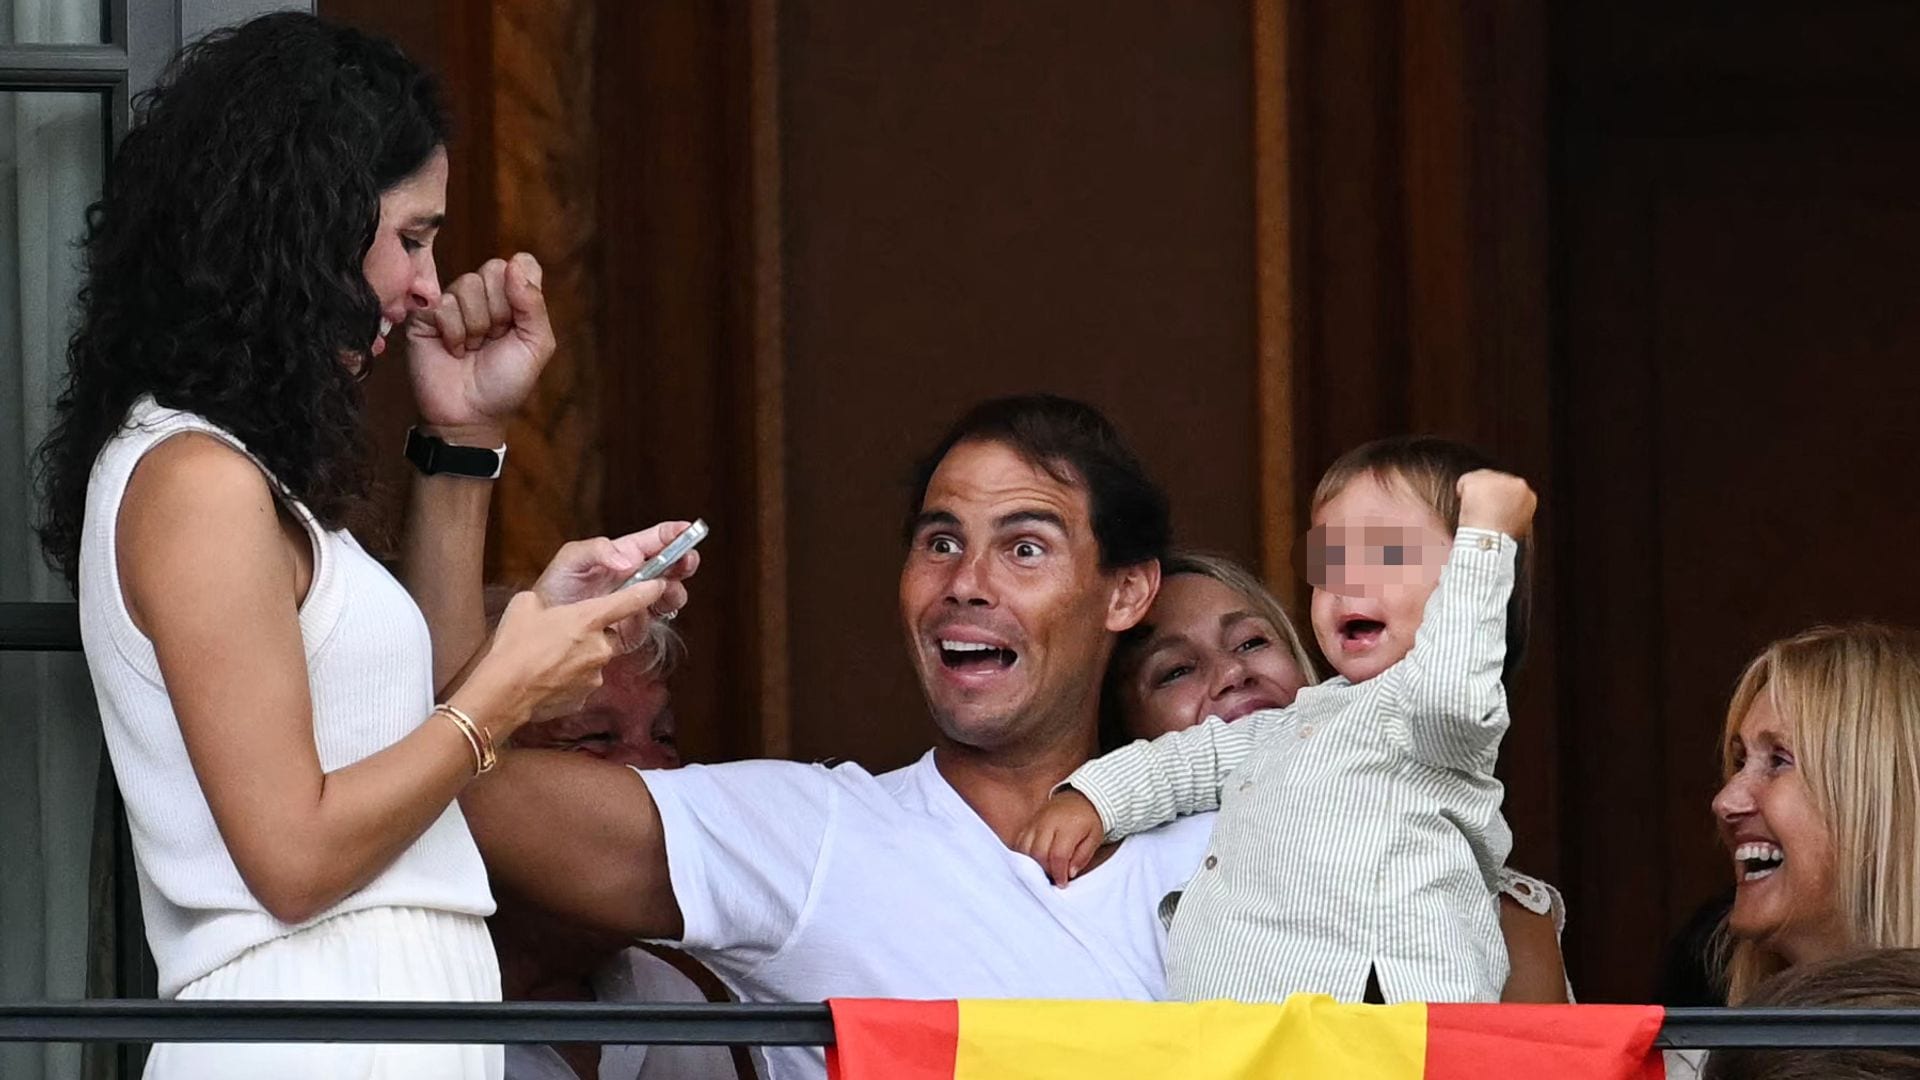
point(985, 198)
point(1658, 257)
point(1736, 240)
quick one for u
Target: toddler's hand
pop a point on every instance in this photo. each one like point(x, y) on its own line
point(1063, 836)
point(1497, 501)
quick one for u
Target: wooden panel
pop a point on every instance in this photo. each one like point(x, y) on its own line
point(1769, 526)
point(1437, 114)
point(1276, 329)
point(1744, 357)
point(455, 41)
point(665, 258)
point(523, 178)
point(1645, 67)
point(1737, 266)
point(773, 617)
point(1351, 362)
point(989, 198)
point(545, 161)
point(687, 106)
point(1612, 739)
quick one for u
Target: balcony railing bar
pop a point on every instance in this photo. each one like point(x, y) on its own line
point(39, 627)
point(766, 1025)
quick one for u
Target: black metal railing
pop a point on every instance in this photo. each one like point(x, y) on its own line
point(122, 1021)
point(28, 627)
point(420, 1022)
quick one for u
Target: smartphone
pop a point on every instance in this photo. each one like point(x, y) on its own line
point(669, 555)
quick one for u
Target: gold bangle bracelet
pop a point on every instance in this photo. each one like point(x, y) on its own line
point(489, 756)
point(473, 740)
point(478, 738)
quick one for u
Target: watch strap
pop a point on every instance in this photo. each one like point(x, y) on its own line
point(437, 457)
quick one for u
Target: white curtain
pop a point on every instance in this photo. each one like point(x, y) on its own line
point(51, 149)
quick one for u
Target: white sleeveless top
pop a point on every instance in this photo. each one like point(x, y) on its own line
point(370, 670)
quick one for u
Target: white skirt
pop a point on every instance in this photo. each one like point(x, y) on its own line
point(379, 954)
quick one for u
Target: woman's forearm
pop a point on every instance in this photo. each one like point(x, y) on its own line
point(443, 557)
point(366, 816)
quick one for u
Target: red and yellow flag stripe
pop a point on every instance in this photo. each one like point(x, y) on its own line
point(1309, 1037)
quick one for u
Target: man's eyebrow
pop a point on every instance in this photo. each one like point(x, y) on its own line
point(1030, 517)
point(426, 221)
point(926, 519)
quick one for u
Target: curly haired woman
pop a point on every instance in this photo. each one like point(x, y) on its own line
point(290, 725)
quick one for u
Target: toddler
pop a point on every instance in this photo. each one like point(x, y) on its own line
point(1360, 840)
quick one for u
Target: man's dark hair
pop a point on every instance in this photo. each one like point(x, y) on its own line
point(1075, 445)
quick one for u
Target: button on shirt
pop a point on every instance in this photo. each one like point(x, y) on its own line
point(1359, 829)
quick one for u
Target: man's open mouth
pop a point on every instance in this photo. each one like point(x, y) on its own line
point(975, 656)
point(1757, 860)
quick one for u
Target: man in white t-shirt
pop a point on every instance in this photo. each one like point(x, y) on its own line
point(1034, 539)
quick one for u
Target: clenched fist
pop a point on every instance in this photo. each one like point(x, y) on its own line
point(1497, 501)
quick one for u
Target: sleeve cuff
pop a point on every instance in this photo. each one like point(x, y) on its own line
point(1468, 538)
point(1087, 781)
point(1534, 895)
point(686, 873)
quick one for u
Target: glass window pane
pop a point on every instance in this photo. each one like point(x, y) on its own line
point(51, 160)
point(51, 164)
point(53, 22)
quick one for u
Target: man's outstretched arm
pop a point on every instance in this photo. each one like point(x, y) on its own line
point(580, 837)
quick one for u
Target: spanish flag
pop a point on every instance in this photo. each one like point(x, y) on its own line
point(1309, 1037)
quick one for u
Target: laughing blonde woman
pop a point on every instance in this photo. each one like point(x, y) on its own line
point(1821, 759)
point(1821, 807)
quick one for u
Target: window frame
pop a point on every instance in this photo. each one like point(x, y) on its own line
point(142, 36)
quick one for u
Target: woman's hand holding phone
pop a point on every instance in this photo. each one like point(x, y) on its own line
point(553, 640)
point(587, 568)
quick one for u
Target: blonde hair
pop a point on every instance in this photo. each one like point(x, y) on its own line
point(1241, 580)
point(1849, 701)
point(1227, 572)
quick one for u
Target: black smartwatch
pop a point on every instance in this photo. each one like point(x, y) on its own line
point(435, 457)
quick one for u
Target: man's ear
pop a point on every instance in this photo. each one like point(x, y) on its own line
point(1133, 593)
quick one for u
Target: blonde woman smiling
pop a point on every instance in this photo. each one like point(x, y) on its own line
point(1822, 764)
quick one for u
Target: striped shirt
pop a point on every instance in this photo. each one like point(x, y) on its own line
point(1359, 829)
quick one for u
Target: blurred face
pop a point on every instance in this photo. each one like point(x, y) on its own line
point(1781, 849)
point(399, 265)
point(1374, 556)
point(1207, 653)
point(628, 721)
point(1008, 615)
